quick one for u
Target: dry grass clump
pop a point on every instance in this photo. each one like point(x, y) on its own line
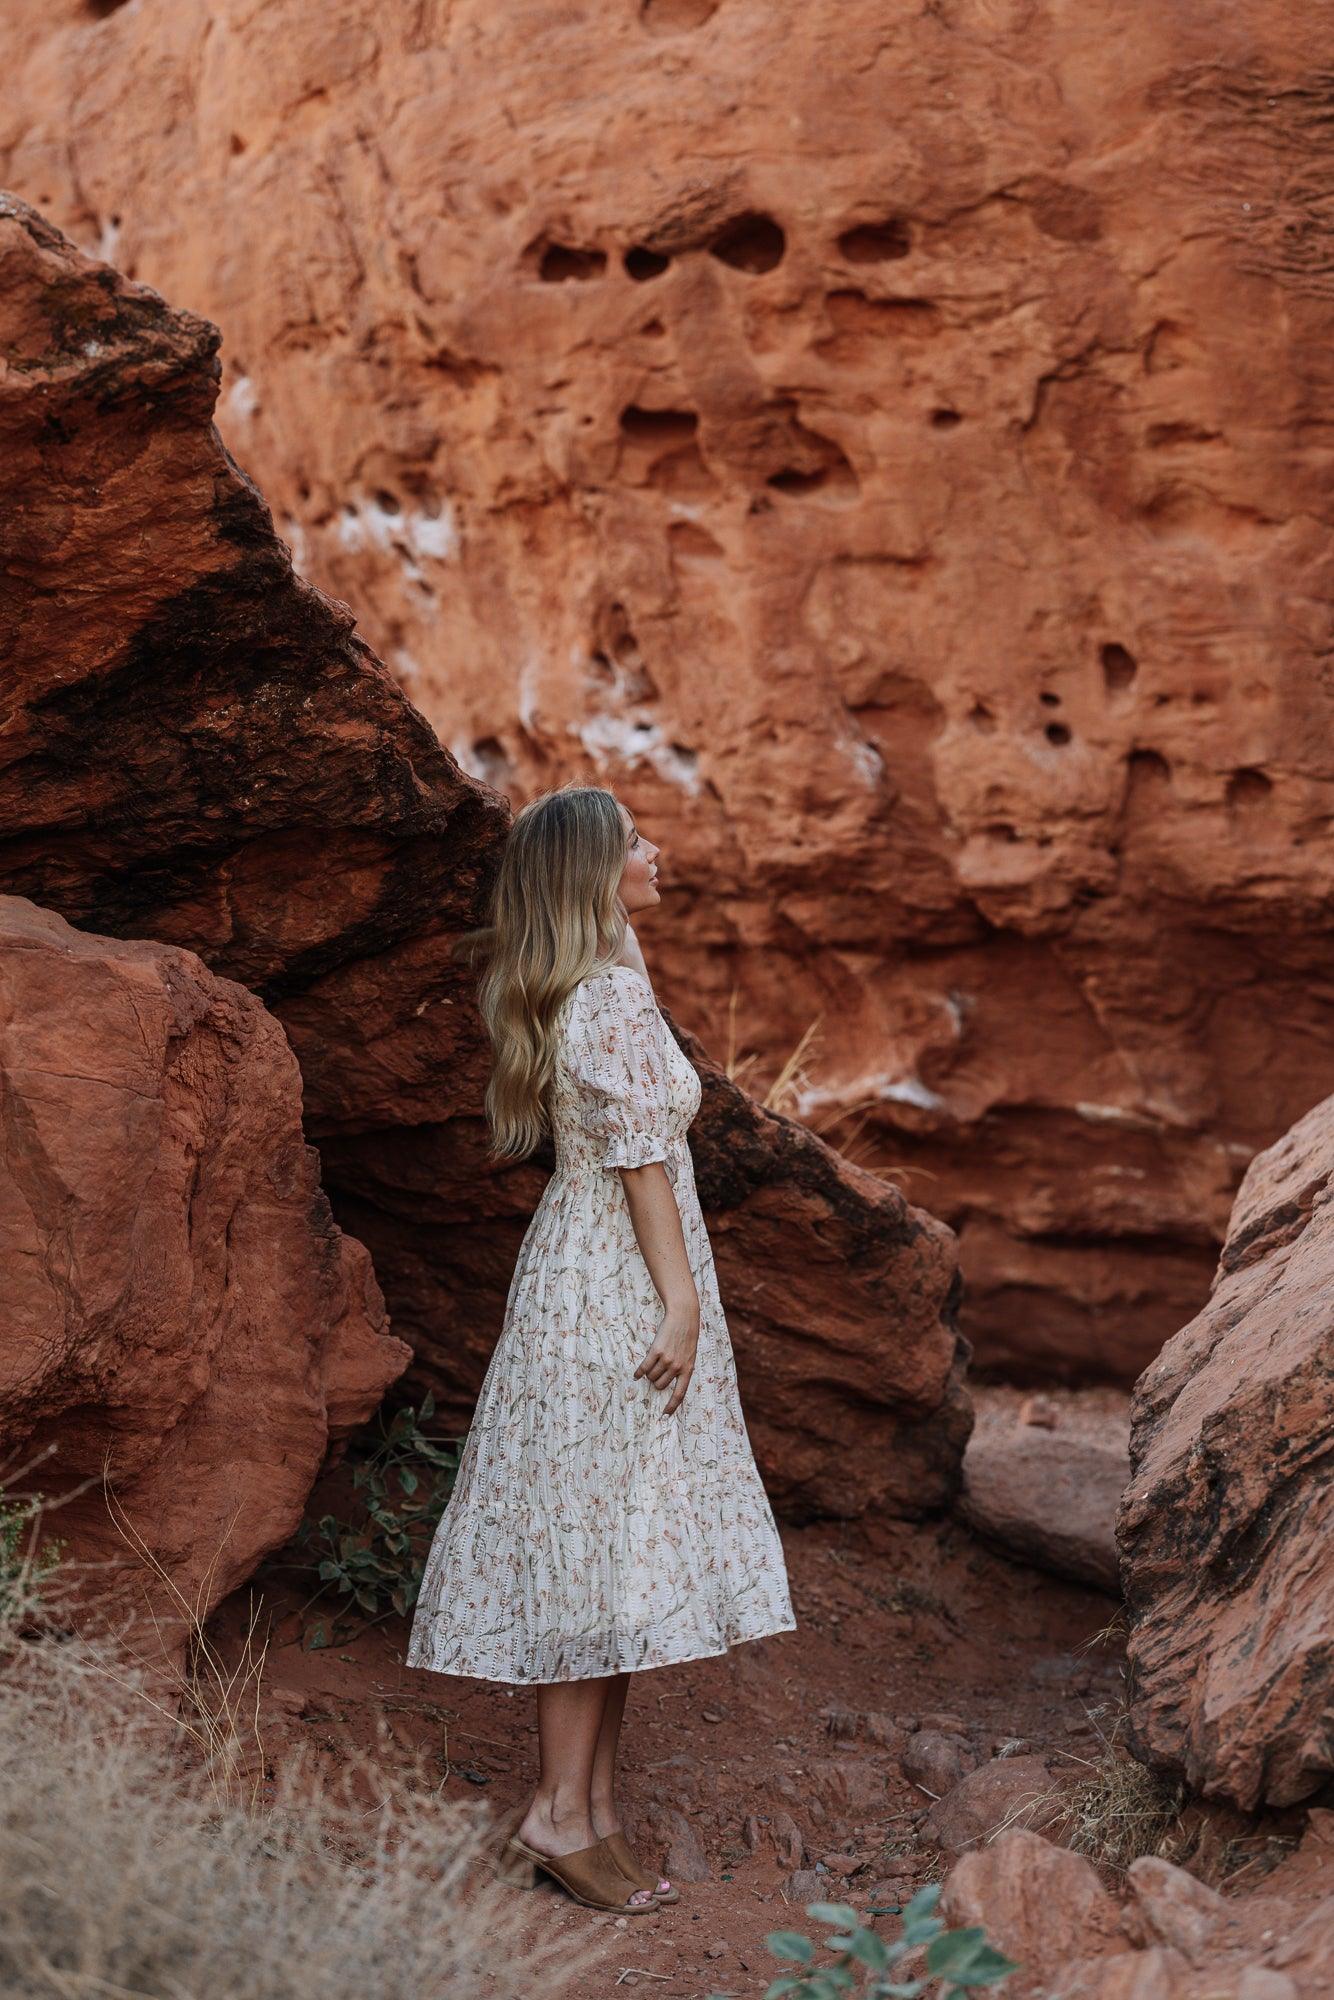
point(784, 1091)
point(125, 1870)
point(794, 1091)
point(1117, 1811)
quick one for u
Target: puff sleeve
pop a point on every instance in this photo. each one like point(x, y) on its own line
point(616, 1052)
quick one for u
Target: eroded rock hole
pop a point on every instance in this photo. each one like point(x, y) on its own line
point(676, 17)
point(752, 243)
point(1048, 699)
point(1118, 667)
point(658, 426)
point(561, 264)
point(804, 462)
point(982, 718)
point(1057, 733)
point(102, 9)
point(682, 474)
point(691, 543)
point(861, 326)
point(1148, 767)
point(641, 263)
point(491, 763)
point(945, 419)
point(1248, 788)
point(387, 502)
point(854, 312)
point(615, 643)
point(818, 465)
point(876, 242)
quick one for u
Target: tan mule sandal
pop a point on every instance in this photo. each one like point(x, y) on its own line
point(634, 1870)
point(589, 1875)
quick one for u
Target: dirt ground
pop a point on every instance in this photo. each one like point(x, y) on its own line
point(772, 1776)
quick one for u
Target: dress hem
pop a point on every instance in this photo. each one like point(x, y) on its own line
point(606, 1673)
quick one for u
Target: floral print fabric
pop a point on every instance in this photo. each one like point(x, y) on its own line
point(589, 1533)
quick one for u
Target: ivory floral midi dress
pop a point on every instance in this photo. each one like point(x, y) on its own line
point(588, 1532)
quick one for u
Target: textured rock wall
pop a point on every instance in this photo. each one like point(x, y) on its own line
point(182, 1318)
point(197, 747)
point(890, 447)
point(1227, 1526)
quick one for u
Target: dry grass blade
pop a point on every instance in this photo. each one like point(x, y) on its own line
point(216, 1703)
point(841, 1125)
point(785, 1091)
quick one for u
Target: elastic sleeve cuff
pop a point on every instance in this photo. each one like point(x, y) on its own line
point(636, 1149)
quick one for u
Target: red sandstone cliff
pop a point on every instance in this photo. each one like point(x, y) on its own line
point(889, 447)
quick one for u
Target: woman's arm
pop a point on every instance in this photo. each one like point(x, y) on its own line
point(657, 1226)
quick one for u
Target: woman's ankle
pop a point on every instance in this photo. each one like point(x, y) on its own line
point(564, 1820)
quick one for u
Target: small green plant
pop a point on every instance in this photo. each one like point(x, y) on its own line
point(375, 1562)
point(959, 1960)
point(23, 1563)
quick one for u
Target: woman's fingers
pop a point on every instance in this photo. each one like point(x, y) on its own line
point(659, 1368)
point(678, 1393)
point(664, 1370)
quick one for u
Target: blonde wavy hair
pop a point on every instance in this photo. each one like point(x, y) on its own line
point(555, 916)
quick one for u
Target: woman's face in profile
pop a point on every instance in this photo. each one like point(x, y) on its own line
point(639, 878)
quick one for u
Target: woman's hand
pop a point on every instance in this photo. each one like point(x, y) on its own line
point(670, 1362)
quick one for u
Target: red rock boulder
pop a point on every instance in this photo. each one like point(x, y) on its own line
point(1172, 1938)
point(1047, 1492)
point(1227, 1526)
point(1038, 1903)
point(183, 1318)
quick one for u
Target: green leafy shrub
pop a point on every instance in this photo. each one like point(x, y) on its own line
point(23, 1564)
point(959, 1960)
point(375, 1561)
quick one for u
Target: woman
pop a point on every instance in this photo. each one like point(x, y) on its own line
point(608, 1515)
